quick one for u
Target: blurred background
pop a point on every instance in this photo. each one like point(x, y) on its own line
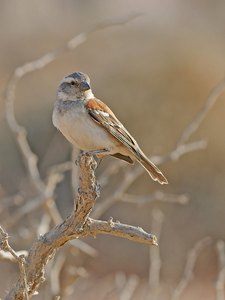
point(155, 72)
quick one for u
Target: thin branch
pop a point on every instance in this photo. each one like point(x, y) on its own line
point(44, 224)
point(60, 168)
point(189, 267)
point(4, 245)
point(155, 196)
point(55, 274)
point(180, 151)
point(9, 257)
point(135, 234)
point(154, 256)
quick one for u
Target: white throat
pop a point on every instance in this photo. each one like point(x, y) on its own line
point(88, 94)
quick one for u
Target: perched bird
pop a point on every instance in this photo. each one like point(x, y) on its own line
point(91, 126)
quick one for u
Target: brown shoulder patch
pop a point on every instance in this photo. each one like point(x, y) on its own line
point(96, 104)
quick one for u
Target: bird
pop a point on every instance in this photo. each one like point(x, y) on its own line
point(91, 126)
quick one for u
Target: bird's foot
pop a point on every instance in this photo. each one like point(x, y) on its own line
point(95, 152)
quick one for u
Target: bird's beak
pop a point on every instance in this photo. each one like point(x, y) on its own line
point(84, 86)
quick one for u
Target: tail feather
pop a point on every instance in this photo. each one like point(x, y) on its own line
point(152, 170)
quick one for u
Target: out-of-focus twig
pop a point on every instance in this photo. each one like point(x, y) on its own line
point(154, 257)
point(73, 273)
point(60, 168)
point(108, 172)
point(55, 274)
point(33, 204)
point(189, 267)
point(137, 171)
point(117, 194)
point(8, 256)
point(220, 246)
point(155, 196)
point(44, 224)
point(130, 177)
point(129, 288)
point(210, 102)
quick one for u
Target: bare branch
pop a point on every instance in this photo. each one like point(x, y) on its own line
point(136, 234)
point(4, 245)
point(78, 224)
point(189, 267)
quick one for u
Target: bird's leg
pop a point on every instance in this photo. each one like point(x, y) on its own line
point(95, 152)
point(98, 154)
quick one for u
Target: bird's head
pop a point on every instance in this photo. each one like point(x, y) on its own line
point(75, 86)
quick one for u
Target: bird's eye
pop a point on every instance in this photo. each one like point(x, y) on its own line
point(72, 83)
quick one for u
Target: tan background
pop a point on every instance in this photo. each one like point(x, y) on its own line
point(155, 72)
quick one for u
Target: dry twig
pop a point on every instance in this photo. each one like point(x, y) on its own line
point(189, 267)
point(4, 245)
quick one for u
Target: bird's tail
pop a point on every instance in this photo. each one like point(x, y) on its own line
point(152, 170)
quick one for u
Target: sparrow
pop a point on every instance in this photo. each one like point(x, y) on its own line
point(91, 126)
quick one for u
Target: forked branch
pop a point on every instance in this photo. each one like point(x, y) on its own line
point(77, 225)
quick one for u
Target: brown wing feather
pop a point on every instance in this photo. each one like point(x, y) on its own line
point(110, 123)
point(103, 115)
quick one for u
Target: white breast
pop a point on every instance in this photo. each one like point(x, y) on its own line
point(78, 127)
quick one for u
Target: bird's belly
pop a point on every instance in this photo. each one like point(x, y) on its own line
point(81, 131)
